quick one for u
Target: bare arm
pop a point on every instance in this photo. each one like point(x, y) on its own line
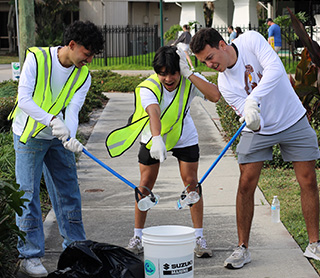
point(210, 90)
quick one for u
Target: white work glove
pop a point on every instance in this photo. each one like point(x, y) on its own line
point(251, 115)
point(158, 149)
point(59, 129)
point(184, 67)
point(73, 145)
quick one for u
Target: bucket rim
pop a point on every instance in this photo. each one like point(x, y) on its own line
point(154, 230)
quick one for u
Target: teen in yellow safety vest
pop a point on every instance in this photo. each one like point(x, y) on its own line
point(43, 93)
point(52, 89)
point(163, 119)
point(118, 141)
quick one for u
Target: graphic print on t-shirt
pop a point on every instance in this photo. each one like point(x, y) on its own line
point(251, 79)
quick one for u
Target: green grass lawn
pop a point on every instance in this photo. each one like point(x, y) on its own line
point(8, 59)
point(283, 183)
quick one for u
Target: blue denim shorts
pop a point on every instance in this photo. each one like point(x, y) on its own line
point(297, 143)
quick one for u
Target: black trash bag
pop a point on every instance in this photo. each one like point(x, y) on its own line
point(83, 259)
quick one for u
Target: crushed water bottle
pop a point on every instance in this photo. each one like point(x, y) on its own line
point(275, 210)
point(187, 199)
point(148, 202)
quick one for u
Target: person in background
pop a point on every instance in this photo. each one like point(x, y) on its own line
point(52, 89)
point(238, 31)
point(183, 43)
point(253, 80)
point(274, 35)
point(232, 33)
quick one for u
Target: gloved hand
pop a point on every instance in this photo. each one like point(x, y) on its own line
point(73, 145)
point(251, 115)
point(184, 67)
point(59, 129)
point(158, 149)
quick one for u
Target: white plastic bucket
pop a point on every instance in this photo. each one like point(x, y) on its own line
point(168, 251)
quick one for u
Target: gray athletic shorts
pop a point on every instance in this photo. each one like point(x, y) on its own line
point(297, 143)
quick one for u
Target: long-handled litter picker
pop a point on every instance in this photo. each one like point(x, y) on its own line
point(195, 199)
point(145, 203)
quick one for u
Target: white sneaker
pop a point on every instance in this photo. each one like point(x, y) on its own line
point(135, 245)
point(33, 267)
point(238, 258)
point(313, 251)
point(201, 250)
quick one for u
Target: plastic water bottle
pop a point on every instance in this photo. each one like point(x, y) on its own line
point(148, 202)
point(275, 210)
point(187, 199)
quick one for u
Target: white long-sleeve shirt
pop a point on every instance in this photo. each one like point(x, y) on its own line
point(260, 75)
point(28, 107)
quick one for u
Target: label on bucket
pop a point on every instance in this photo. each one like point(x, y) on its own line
point(179, 267)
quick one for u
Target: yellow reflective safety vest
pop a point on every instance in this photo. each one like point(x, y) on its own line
point(120, 140)
point(42, 94)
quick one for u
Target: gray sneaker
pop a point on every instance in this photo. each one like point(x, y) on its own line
point(135, 245)
point(201, 249)
point(313, 251)
point(33, 268)
point(238, 258)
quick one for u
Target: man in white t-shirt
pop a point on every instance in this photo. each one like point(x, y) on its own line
point(173, 85)
point(253, 81)
point(52, 89)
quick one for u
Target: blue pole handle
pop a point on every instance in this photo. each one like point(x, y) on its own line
point(109, 169)
point(223, 152)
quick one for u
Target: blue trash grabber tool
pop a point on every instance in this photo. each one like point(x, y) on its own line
point(144, 204)
point(222, 153)
point(184, 193)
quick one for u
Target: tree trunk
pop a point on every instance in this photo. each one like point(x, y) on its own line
point(11, 30)
point(26, 27)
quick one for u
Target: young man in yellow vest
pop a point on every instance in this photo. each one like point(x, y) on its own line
point(53, 80)
point(163, 102)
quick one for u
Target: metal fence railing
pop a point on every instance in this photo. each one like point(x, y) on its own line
point(137, 44)
point(128, 44)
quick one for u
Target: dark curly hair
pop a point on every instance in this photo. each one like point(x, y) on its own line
point(86, 34)
point(204, 37)
point(166, 56)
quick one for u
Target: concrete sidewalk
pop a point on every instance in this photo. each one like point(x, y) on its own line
point(108, 203)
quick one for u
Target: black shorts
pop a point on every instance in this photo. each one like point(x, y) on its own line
point(186, 154)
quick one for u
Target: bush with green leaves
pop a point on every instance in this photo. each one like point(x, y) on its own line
point(6, 106)
point(8, 92)
point(172, 33)
point(50, 17)
point(94, 99)
point(109, 81)
point(8, 88)
point(11, 202)
point(7, 157)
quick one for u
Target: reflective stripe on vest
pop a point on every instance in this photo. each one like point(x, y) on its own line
point(120, 140)
point(42, 94)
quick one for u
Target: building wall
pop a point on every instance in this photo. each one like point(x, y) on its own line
point(148, 14)
point(103, 12)
point(123, 12)
point(92, 10)
point(223, 13)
